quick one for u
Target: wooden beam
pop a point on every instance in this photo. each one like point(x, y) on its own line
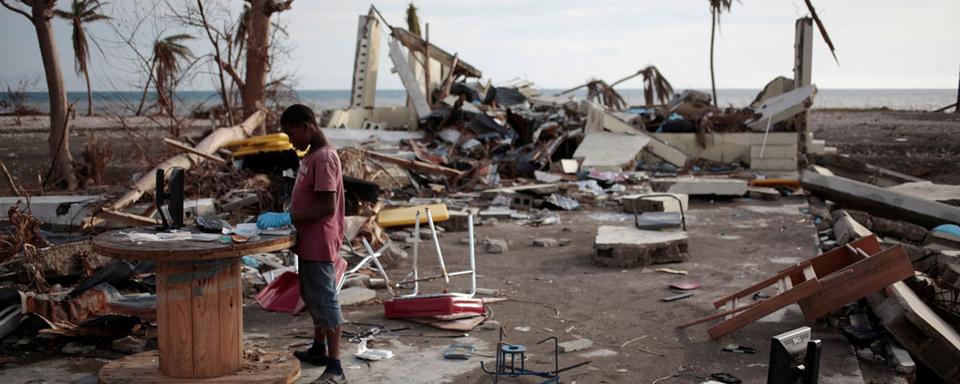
point(185, 147)
point(416, 44)
point(416, 165)
point(126, 218)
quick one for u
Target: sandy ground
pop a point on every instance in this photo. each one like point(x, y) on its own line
point(925, 145)
point(557, 291)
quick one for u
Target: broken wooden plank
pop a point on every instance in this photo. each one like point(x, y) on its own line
point(127, 218)
point(416, 165)
point(187, 148)
point(409, 80)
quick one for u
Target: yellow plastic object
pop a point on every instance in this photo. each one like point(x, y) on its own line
point(267, 143)
point(398, 217)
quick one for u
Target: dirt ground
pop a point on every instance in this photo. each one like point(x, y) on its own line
point(558, 292)
point(920, 144)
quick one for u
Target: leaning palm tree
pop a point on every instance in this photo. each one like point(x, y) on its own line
point(716, 8)
point(168, 52)
point(655, 86)
point(82, 12)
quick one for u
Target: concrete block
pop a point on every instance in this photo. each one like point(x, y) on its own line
point(645, 203)
point(496, 245)
point(900, 229)
point(626, 247)
point(901, 358)
point(356, 295)
point(575, 345)
point(546, 242)
point(659, 220)
point(774, 152)
point(701, 186)
point(766, 164)
point(846, 229)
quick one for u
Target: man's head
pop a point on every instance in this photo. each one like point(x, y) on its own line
point(299, 123)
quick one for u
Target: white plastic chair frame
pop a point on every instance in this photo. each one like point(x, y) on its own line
point(373, 257)
point(443, 268)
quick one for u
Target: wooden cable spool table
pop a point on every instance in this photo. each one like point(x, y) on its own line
point(199, 312)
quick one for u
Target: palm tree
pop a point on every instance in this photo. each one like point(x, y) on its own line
point(716, 8)
point(80, 13)
point(655, 86)
point(168, 52)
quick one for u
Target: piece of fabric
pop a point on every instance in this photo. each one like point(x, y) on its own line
point(318, 289)
point(320, 171)
point(273, 220)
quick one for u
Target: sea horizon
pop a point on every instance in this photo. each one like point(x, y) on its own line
point(912, 99)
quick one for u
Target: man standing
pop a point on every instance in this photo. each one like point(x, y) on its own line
point(316, 211)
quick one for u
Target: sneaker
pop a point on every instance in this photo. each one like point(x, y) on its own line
point(330, 378)
point(309, 356)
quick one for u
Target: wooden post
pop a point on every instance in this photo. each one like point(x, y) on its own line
point(957, 110)
point(426, 64)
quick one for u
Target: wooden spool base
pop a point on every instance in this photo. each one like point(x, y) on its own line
point(145, 368)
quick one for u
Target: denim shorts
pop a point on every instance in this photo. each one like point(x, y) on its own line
point(318, 289)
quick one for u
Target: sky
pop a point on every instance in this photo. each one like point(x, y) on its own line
point(557, 44)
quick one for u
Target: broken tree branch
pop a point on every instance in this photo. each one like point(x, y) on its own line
point(185, 147)
point(17, 10)
point(13, 185)
point(209, 145)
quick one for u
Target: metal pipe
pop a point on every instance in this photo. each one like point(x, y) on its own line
point(473, 257)
point(416, 250)
point(436, 243)
point(376, 260)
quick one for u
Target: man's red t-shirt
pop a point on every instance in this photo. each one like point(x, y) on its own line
point(319, 172)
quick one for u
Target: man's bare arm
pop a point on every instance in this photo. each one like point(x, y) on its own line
point(327, 205)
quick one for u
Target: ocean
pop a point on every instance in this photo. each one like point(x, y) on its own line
point(898, 99)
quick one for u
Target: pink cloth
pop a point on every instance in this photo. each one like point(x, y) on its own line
point(319, 172)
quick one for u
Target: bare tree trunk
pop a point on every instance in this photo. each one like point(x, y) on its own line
point(258, 41)
point(146, 86)
point(957, 110)
point(86, 75)
point(58, 141)
point(219, 59)
point(258, 53)
point(713, 32)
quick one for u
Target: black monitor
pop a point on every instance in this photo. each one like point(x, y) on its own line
point(794, 358)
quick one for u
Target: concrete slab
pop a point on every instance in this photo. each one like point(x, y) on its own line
point(56, 211)
point(782, 107)
point(626, 247)
point(610, 151)
point(879, 201)
point(598, 120)
point(948, 194)
point(701, 186)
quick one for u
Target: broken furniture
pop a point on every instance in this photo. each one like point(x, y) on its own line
point(511, 362)
point(661, 220)
point(169, 200)
point(417, 304)
point(819, 285)
point(794, 358)
point(199, 310)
